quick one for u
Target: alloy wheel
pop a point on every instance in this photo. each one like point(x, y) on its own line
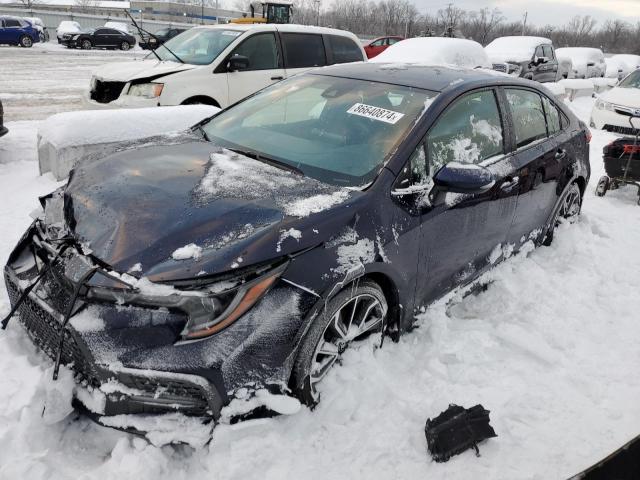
point(354, 320)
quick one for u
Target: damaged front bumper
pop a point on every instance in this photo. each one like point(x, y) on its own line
point(120, 389)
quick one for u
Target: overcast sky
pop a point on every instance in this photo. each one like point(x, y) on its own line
point(546, 12)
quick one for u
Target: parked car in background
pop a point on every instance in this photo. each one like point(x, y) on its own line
point(565, 68)
point(102, 37)
point(39, 25)
point(221, 64)
point(254, 251)
point(586, 62)
point(614, 107)
point(436, 51)
point(17, 31)
point(67, 27)
point(120, 26)
point(379, 45)
point(3, 129)
point(619, 66)
point(527, 57)
point(163, 35)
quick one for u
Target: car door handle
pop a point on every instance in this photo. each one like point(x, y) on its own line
point(560, 154)
point(509, 183)
point(277, 78)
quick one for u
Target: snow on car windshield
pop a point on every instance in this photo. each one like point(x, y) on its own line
point(632, 81)
point(198, 46)
point(337, 130)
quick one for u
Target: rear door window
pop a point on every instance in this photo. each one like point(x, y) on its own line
point(528, 116)
point(11, 23)
point(553, 116)
point(469, 131)
point(344, 49)
point(261, 50)
point(303, 50)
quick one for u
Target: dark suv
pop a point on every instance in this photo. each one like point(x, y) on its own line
point(151, 42)
point(532, 58)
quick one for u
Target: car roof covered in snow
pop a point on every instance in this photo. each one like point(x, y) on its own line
point(427, 77)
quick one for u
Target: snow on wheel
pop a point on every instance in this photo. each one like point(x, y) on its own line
point(26, 41)
point(125, 46)
point(352, 315)
point(86, 45)
point(602, 186)
point(570, 205)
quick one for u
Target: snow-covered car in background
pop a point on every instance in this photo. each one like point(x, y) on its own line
point(565, 68)
point(221, 64)
point(587, 62)
point(67, 27)
point(120, 26)
point(527, 57)
point(39, 25)
point(436, 51)
point(619, 66)
point(377, 46)
point(252, 251)
point(613, 108)
point(3, 130)
point(17, 31)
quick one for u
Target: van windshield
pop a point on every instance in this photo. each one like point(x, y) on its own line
point(198, 46)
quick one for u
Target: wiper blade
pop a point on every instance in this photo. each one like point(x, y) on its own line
point(269, 161)
point(198, 126)
point(142, 30)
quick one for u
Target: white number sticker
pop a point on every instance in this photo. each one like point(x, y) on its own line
point(375, 113)
point(231, 33)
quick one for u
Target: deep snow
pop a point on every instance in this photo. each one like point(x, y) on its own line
point(551, 348)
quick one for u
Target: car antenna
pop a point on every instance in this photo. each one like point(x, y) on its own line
point(142, 30)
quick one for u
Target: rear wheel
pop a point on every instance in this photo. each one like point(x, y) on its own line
point(26, 41)
point(569, 210)
point(603, 186)
point(352, 315)
point(125, 46)
point(86, 44)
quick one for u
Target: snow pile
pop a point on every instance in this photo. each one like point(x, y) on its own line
point(435, 51)
point(317, 203)
point(576, 87)
point(556, 89)
point(66, 138)
point(514, 49)
point(186, 252)
point(248, 402)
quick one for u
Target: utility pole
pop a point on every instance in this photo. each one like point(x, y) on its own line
point(317, 2)
point(217, 13)
point(202, 12)
point(524, 22)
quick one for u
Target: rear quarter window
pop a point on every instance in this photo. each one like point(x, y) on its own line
point(344, 49)
point(303, 50)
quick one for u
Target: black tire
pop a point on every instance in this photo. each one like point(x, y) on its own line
point(125, 46)
point(603, 186)
point(26, 41)
point(569, 208)
point(86, 44)
point(361, 294)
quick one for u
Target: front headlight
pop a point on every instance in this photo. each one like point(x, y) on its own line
point(209, 309)
point(74, 37)
point(514, 69)
point(146, 90)
point(604, 105)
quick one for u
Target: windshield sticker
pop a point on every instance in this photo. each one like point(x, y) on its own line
point(231, 33)
point(375, 113)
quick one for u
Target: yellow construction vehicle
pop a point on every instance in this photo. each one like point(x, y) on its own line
point(272, 12)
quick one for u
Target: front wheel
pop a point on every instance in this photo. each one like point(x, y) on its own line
point(353, 314)
point(26, 41)
point(125, 46)
point(86, 45)
point(570, 206)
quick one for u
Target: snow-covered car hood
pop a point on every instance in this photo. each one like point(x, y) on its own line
point(141, 206)
point(136, 69)
point(628, 97)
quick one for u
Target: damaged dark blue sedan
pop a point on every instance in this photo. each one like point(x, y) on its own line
point(253, 250)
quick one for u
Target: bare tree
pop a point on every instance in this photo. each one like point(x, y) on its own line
point(28, 3)
point(85, 4)
point(482, 23)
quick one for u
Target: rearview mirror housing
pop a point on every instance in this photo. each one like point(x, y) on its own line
point(463, 178)
point(237, 62)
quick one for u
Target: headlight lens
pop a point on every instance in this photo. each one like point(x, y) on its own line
point(207, 312)
point(603, 105)
point(146, 90)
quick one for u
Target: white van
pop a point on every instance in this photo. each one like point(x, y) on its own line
point(221, 64)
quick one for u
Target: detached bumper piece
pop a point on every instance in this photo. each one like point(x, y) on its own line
point(456, 430)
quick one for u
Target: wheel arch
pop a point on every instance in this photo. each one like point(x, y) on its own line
point(204, 99)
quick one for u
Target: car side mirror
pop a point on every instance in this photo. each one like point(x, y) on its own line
point(463, 178)
point(237, 62)
point(540, 60)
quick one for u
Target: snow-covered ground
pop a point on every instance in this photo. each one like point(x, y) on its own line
point(551, 348)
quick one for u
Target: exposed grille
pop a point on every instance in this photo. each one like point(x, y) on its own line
point(621, 130)
point(105, 92)
point(45, 331)
point(500, 67)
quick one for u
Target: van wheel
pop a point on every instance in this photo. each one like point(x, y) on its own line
point(358, 311)
point(26, 41)
point(125, 46)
